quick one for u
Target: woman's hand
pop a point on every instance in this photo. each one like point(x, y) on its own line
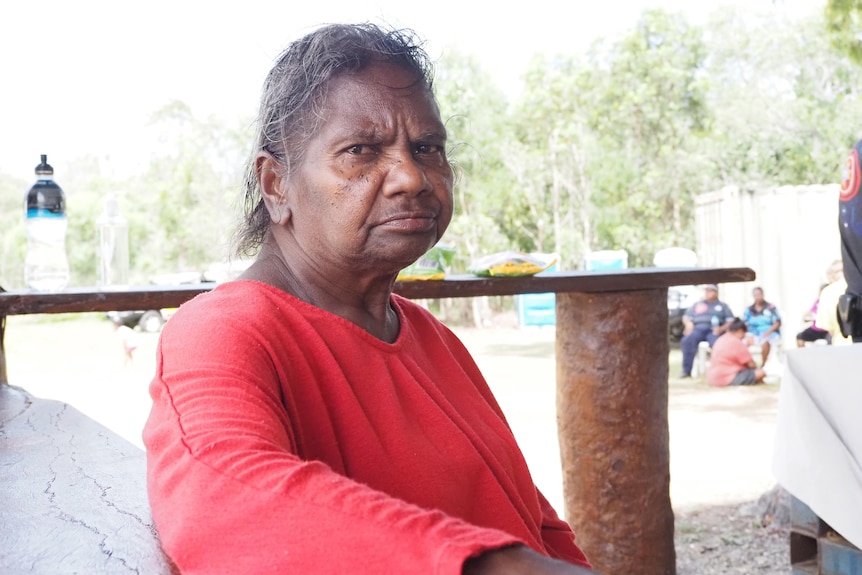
point(519, 560)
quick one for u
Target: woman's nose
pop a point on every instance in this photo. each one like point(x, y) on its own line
point(405, 175)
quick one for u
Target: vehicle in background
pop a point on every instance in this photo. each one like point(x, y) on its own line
point(679, 299)
point(149, 321)
point(152, 320)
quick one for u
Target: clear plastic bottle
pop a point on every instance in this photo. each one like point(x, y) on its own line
point(113, 246)
point(46, 267)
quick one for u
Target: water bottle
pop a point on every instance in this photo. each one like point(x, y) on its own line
point(714, 321)
point(113, 246)
point(46, 267)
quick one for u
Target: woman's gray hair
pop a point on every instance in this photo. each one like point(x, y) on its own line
point(293, 96)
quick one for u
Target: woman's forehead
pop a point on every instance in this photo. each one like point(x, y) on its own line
point(378, 95)
point(386, 74)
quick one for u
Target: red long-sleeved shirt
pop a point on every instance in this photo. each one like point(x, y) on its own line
point(286, 439)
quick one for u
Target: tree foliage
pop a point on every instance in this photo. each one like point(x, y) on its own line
point(844, 22)
point(784, 103)
point(602, 150)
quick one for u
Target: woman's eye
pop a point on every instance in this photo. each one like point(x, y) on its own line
point(427, 149)
point(358, 149)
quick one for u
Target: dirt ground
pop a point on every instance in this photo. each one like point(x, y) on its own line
point(720, 439)
point(721, 443)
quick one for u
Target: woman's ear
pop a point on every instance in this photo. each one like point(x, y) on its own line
point(272, 178)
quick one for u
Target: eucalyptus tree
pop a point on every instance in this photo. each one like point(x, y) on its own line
point(785, 102)
point(475, 112)
point(552, 157)
point(647, 109)
point(184, 207)
point(844, 23)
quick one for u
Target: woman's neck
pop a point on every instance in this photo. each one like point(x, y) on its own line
point(364, 303)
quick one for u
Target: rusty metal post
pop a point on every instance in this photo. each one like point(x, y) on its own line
point(612, 407)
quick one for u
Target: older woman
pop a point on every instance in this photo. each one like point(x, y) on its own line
point(731, 362)
point(307, 420)
point(763, 323)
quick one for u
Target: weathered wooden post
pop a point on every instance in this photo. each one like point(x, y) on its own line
point(612, 407)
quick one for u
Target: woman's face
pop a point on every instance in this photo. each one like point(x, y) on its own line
point(374, 188)
point(758, 296)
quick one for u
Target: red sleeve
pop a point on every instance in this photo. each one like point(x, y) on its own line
point(558, 537)
point(229, 495)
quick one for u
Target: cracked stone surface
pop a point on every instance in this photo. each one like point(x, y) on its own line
point(74, 494)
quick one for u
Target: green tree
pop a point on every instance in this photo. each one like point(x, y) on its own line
point(784, 101)
point(474, 111)
point(648, 110)
point(183, 208)
point(844, 23)
point(552, 156)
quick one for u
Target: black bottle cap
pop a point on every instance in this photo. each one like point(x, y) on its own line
point(44, 167)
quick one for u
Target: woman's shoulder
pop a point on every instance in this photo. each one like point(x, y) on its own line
point(238, 303)
point(230, 298)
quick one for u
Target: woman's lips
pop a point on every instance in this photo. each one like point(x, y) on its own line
point(411, 222)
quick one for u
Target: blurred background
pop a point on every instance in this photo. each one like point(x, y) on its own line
point(631, 125)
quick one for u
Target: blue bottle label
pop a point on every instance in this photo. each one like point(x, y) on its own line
point(43, 213)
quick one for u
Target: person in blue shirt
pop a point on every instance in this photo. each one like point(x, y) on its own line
point(763, 323)
point(704, 321)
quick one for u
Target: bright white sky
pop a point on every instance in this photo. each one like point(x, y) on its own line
point(82, 77)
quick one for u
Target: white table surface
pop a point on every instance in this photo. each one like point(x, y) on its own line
point(818, 447)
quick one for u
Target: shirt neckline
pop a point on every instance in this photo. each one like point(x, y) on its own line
point(310, 309)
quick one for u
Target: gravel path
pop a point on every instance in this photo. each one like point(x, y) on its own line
point(729, 539)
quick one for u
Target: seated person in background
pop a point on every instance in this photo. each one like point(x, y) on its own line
point(763, 323)
point(730, 362)
point(704, 321)
point(827, 309)
point(307, 420)
point(813, 332)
